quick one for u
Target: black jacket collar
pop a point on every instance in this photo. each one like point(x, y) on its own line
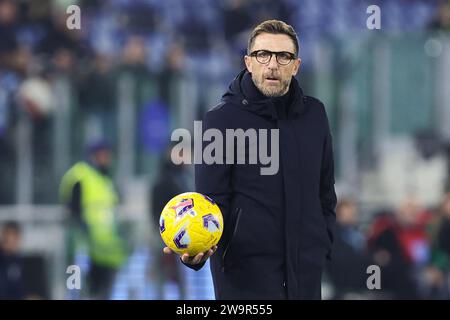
point(243, 92)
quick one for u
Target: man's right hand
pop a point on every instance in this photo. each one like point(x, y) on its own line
point(199, 258)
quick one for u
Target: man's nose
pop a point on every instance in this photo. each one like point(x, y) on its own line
point(273, 64)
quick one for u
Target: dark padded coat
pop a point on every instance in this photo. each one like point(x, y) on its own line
point(278, 228)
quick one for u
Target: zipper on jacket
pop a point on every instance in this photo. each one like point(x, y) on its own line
point(239, 210)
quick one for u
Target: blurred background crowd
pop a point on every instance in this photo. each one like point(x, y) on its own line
point(138, 69)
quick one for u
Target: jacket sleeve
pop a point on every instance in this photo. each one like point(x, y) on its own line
point(214, 180)
point(327, 192)
point(75, 202)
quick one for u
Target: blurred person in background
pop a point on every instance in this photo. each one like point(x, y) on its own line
point(14, 55)
point(135, 85)
point(13, 64)
point(442, 20)
point(173, 79)
point(237, 16)
point(8, 33)
point(399, 245)
point(134, 62)
point(97, 104)
point(347, 269)
point(171, 181)
point(11, 268)
point(88, 192)
point(439, 270)
point(62, 45)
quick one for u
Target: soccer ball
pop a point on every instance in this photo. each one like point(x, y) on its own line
point(191, 223)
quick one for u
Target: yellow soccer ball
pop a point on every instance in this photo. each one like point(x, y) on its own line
point(191, 223)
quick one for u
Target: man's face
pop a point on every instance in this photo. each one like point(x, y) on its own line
point(446, 206)
point(348, 214)
point(103, 158)
point(272, 79)
point(10, 240)
point(409, 211)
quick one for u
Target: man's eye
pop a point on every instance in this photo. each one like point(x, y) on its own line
point(263, 54)
point(284, 56)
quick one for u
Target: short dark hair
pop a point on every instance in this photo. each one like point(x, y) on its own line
point(98, 145)
point(12, 226)
point(273, 27)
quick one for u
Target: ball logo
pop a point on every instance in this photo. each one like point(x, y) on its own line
point(182, 239)
point(210, 223)
point(162, 226)
point(185, 206)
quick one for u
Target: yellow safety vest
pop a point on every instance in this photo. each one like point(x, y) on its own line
point(98, 203)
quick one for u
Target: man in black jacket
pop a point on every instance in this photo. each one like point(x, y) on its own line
point(12, 284)
point(278, 226)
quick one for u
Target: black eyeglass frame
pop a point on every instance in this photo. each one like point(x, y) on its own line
point(277, 54)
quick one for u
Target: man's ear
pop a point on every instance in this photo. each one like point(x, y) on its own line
point(248, 63)
point(297, 64)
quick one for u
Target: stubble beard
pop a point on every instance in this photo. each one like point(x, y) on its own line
point(271, 91)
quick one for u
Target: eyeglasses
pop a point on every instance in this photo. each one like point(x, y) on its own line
point(264, 56)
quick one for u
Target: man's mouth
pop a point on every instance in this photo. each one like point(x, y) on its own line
point(272, 80)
